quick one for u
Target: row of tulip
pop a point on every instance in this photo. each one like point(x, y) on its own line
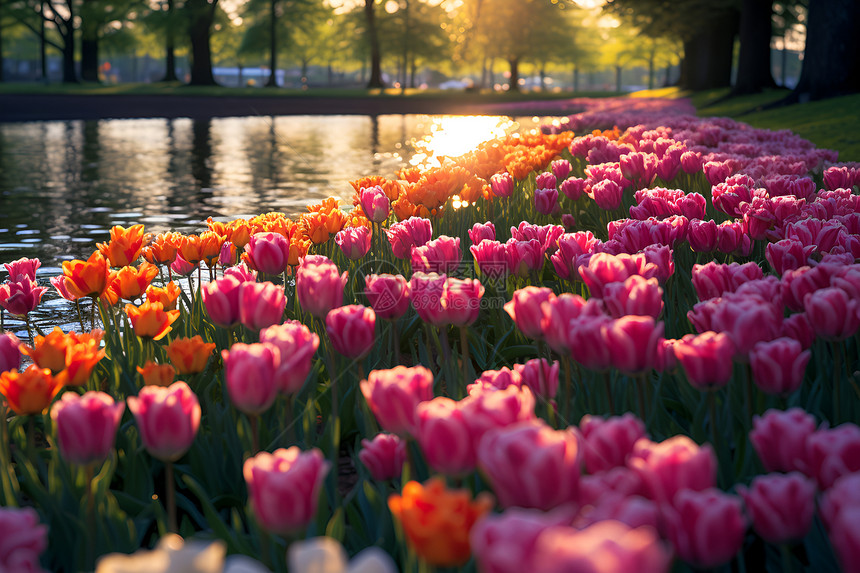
point(301, 346)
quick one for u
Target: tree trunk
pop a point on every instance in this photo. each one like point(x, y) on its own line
point(304, 73)
point(754, 72)
point(831, 60)
point(783, 63)
point(375, 55)
point(542, 79)
point(413, 71)
point(1, 48)
point(273, 44)
point(170, 45)
point(707, 62)
point(668, 77)
point(651, 74)
point(43, 45)
point(89, 45)
point(618, 78)
point(575, 79)
point(201, 15)
point(241, 79)
point(514, 82)
point(68, 34)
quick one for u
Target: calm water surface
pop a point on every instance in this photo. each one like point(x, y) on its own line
point(64, 184)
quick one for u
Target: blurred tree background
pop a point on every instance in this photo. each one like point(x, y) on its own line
point(748, 45)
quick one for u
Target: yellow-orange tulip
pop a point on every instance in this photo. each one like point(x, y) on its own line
point(84, 354)
point(150, 320)
point(130, 282)
point(30, 391)
point(315, 228)
point(162, 249)
point(189, 355)
point(124, 246)
point(87, 278)
point(437, 521)
point(50, 351)
point(155, 374)
point(167, 295)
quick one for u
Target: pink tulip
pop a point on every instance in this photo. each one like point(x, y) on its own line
point(573, 249)
point(22, 296)
point(261, 305)
point(10, 355)
point(319, 286)
point(284, 487)
point(462, 301)
point(780, 438)
point(706, 528)
point(167, 419)
point(353, 241)
point(747, 321)
point(781, 506)
point(557, 314)
point(182, 267)
point(531, 465)
point(561, 168)
point(526, 309)
point(778, 366)
point(24, 540)
point(840, 177)
point(717, 172)
point(797, 327)
point(375, 203)
point(443, 434)
point(604, 268)
point(633, 511)
point(843, 495)
point(59, 283)
point(495, 380)
point(86, 426)
point(546, 235)
point(440, 255)
point(608, 442)
point(502, 184)
point(586, 344)
point(668, 167)
point(296, 346)
point(411, 232)
point(23, 267)
point(833, 453)
point(540, 376)
point(632, 343)
point(706, 358)
point(383, 456)
point(731, 239)
point(662, 256)
point(845, 538)
point(388, 295)
point(607, 546)
point(568, 221)
point(241, 272)
point(691, 161)
point(524, 257)
point(249, 370)
point(394, 394)
point(222, 301)
point(702, 236)
point(666, 359)
point(228, 254)
point(268, 253)
point(607, 194)
point(788, 254)
point(797, 284)
point(573, 188)
point(491, 260)
point(635, 296)
point(481, 231)
point(427, 293)
point(352, 330)
point(505, 542)
point(833, 315)
point(673, 465)
point(546, 201)
point(545, 180)
point(487, 409)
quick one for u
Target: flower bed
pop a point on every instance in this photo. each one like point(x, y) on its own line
point(646, 355)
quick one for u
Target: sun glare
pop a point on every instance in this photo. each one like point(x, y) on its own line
point(451, 136)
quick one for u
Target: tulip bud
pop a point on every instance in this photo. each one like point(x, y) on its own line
point(351, 330)
point(706, 528)
point(383, 456)
point(86, 426)
point(167, 419)
point(781, 506)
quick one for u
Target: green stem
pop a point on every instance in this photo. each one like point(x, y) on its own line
point(91, 516)
point(255, 434)
point(171, 498)
point(787, 561)
point(607, 386)
point(31, 440)
point(464, 344)
point(80, 316)
point(395, 342)
point(643, 403)
point(93, 315)
point(837, 380)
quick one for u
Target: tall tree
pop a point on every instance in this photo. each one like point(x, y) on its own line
point(831, 60)
point(201, 16)
point(373, 39)
point(756, 29)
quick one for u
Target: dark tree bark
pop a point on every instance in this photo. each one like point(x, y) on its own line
point(707, 62)
point(67, 31)
point(514, 82)
point(170, 45)
point(575, 79)
point(89, 45)
point(375, 54)
point(1, 41)
point(273, 44)
point(201, 15)
point(618, 78)
point(43, 44)
point(754, 73)
point(831, 60)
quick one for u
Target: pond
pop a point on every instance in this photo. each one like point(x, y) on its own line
point(64, 184)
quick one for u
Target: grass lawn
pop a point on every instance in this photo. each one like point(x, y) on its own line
point(832, 124)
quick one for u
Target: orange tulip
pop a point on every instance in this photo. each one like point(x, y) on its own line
point(437, 520)
point(167, 295)
point(150, 320)
point(162, 250)
point(189, 355)
point(84, 354)
point(130, 282)
point(190, 249)
point(314, 228)
point(50, 352)
point(203, 247)
point(298, 249)
point(31, 391)
point(155, 374)
point(124, 246)
point(239, 233)
point(87, 278)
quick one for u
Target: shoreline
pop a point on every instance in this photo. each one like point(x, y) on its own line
point(15, 108)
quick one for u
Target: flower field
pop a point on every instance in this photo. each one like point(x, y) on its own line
point(630, 349)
